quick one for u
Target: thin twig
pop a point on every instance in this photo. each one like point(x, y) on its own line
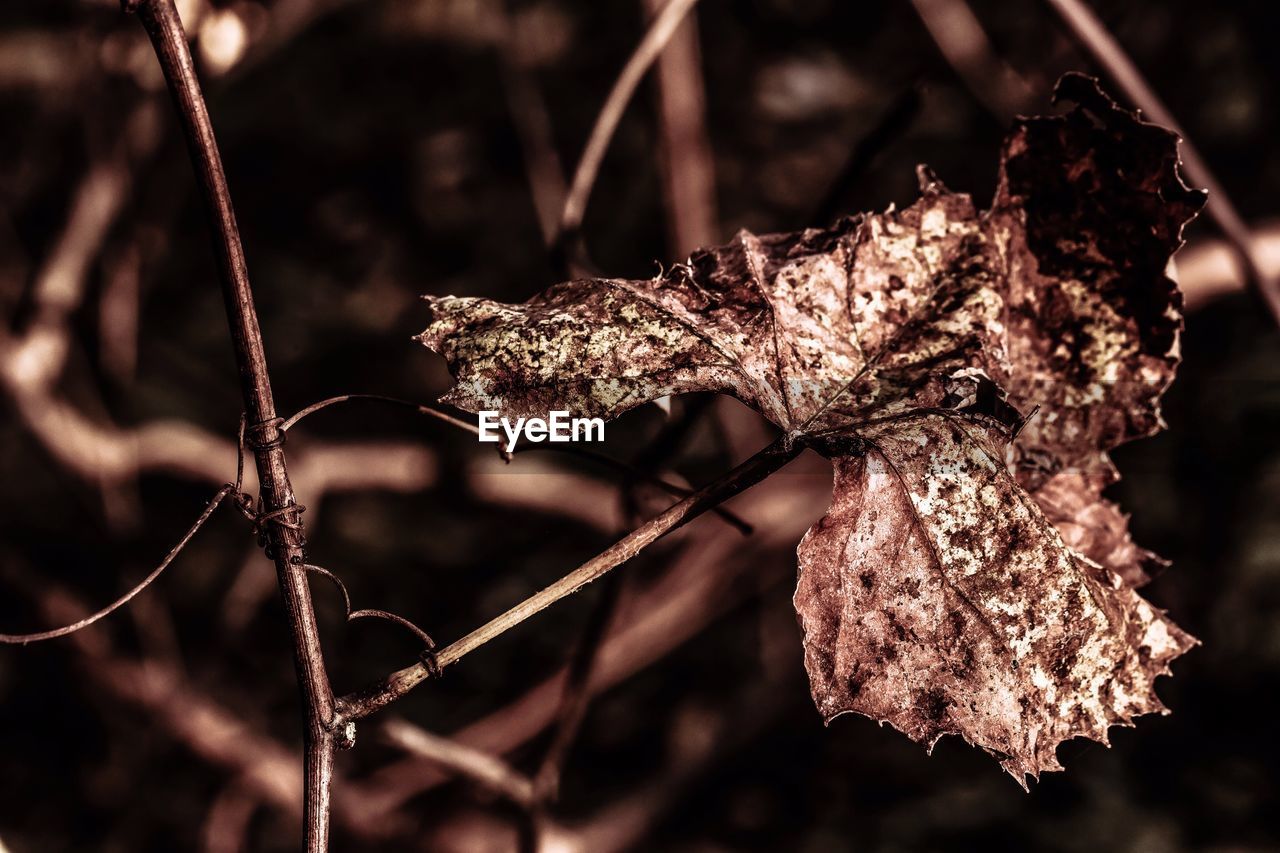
point(388, 616)
point(1107, 52)
point(213, 731)
point(175, 706)
point(965, 45)
point(696, 587)
point(466, 426)
point(23, 639)
point(533, 127)
point(689, 174)
point(584, 178)
point(285, 532)
point(577, 693)
point(369, 612)
point(226, 824)
point(490, 771)
point(636, 473)
point(364, 702)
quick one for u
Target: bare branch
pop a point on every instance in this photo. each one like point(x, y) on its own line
point(285, 532)
point(577, 693)
point(655, 39)
point(635, 473)
point(23, 639)
point(688, 167)
point(964, 44)
point(364, 702)
point(489, 771)
point(698, 586)
point(370, 613)
point(227, 822)
point(533, 126)
point(429, 411)
point(319, 469)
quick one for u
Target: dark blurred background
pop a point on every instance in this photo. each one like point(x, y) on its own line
point(380, 150)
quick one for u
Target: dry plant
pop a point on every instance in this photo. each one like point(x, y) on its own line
point(965, 371)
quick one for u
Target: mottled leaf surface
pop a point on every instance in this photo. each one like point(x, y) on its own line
point(1088, 209)
point(936, 596)
point(967, 372)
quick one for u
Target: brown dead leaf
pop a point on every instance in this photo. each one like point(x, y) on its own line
point(968, 578)
point(936, 596)
point(1094, 526)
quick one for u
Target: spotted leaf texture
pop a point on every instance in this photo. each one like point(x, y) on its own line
point(966, 372)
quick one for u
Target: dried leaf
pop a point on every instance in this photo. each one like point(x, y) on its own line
point(936, 596)
point(969, 578)
point(1095, 526)
point(1089, 207)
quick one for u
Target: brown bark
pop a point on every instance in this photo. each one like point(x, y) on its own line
point(285, 539)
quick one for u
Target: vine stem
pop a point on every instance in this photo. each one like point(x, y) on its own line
point(283, 526)
point(660, 30)
point(364, 702)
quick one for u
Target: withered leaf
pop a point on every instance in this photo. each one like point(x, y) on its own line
point(966, 372)
point(1095, 526)
point(936, 596)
